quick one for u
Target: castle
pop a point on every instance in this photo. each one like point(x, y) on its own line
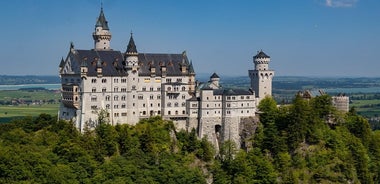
point(130, 86)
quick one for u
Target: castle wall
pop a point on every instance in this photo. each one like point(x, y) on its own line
point(231, 130)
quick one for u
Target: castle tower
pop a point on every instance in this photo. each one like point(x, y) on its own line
point(131, 55)
point(214, 79)
point(261, 76)
point(102, 35)
point(132, 67)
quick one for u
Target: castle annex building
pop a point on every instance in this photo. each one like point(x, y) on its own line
point(130, 86)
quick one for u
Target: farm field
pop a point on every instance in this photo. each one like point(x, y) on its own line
point(27, 102)
point(367, 108)
point(28, 94)
point(8, 112)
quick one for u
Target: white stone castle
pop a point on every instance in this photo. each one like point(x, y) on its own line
point(130, 86)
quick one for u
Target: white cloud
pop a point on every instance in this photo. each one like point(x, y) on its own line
point(340, 3)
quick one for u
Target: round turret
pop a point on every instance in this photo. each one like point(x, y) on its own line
point(101, 35)
point(261, 60)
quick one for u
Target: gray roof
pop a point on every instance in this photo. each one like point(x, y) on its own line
point(214, 75)
point(102, 22)
point(62, 63)
point(112, 62)
point(131, 46)
point(232, 92)
point(261, 54)
point(172, 62)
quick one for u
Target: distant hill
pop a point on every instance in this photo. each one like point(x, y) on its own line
point(28, 79)
point(279, 82)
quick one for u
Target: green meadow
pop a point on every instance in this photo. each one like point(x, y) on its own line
point(8, 112)
point(20, 103)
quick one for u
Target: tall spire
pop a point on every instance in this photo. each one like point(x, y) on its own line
point(102, 22)
point(131, 46)
point(102, 35)
point(62, 63)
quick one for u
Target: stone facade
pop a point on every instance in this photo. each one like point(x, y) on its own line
point(261, 76)
point(130, 86)
point(341, 102)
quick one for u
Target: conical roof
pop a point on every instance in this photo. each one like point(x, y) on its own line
point(261, 54)
point(62, 63)
point(214, 75)
point(131, 45)
point(102, 22)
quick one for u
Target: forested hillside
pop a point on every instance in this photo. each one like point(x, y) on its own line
point(305, 142)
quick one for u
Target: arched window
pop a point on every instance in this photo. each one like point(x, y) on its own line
point(123, 97)
point(183, 88)
point(116, 98)
point(108, 98)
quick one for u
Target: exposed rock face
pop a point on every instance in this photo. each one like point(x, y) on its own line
point(247, 129)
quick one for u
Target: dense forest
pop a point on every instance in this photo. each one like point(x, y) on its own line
point(307, 141)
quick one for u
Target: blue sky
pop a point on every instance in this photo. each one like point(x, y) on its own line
point(303, 37)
